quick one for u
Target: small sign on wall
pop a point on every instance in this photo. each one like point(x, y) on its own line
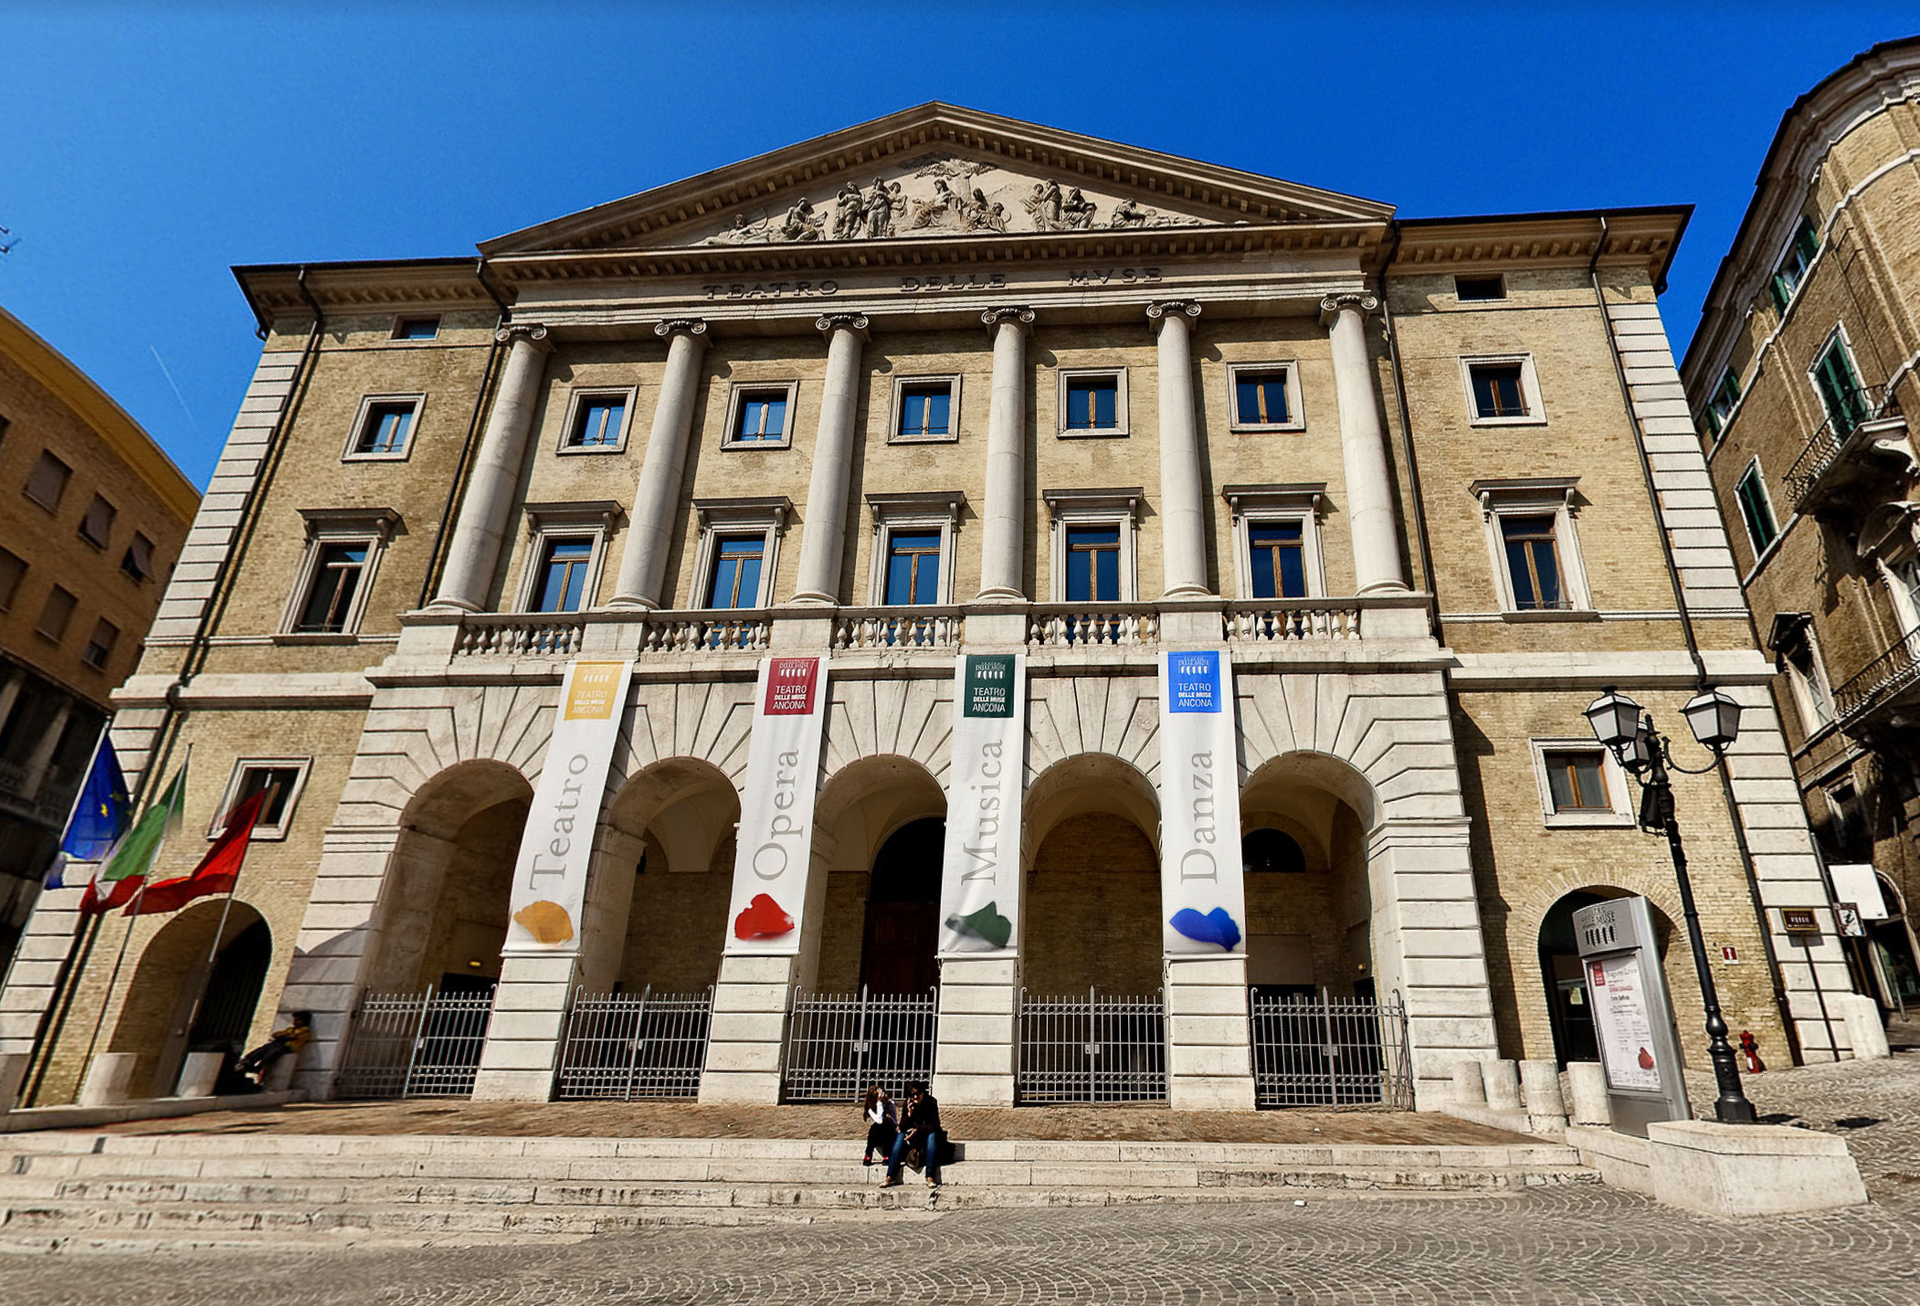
point(1847, 919)
point(1799, 920)
point(1729, 954)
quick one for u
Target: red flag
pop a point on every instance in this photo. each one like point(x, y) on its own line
point(216, 872)
point(120, 893)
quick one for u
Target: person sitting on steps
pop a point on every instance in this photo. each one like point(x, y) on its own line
point(882, 1123)
point(293, 1038)
point(920, 1129)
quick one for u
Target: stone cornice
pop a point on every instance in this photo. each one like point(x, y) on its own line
point(1645, 237)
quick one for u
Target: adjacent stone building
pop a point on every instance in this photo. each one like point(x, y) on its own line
point(942, 386)
point(1801, 379)
point(93, 517)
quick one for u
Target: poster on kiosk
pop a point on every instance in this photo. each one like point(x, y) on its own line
point(1632, 1017)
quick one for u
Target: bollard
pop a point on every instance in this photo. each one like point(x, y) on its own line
point(1588, 1083)
point(106, 1083)
point(1546, 1108)
point(200, 1074)
point(1503, 1085)
point(1468, 1088)
point(13, 1073)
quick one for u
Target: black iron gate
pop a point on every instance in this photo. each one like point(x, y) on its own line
point(838, 1043)
point(1330, 1051)
point(414, 1045)
point(1092, 1049)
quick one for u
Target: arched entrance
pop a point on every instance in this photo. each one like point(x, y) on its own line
point(1891, 946)
point(1569, 1004)
point(1304, 819)
point(882, 822)
point(189, 995)
point(897, 953)
point(1092, 914)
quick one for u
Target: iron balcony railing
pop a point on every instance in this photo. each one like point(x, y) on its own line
point(414, 1045)
point(1090, 1048)
point(634, 1045)
point(1865, 404)
point(1880, 680)
point(1329, 1051)
point(839, 1043)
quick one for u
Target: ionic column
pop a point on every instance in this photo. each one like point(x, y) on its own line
point(475, 548)
point(1363, 448)
point(823, 541)
point(656, 498)
point(1183, 503)
point(1003, 523)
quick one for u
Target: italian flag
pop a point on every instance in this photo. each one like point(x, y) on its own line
point(217, 871)
point(125, 870)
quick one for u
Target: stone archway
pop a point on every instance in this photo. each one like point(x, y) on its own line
point(855, 914)
point(189, 994)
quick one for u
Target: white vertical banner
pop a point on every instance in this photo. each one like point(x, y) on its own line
point(1202, 889)
point(775, 840)
point(550, 875)
point(980, 871)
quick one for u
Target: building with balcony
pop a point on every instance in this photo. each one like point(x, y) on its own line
point(865, 498)
point(1801, 379)
point(94, 517)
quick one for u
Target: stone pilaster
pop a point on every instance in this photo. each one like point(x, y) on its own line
point(1363, 448)
point(1183, 501)
point(824, 534)
point(656, 498)
point(1003, 524)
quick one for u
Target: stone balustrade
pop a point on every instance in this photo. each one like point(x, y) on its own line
point(520, 634)
point(1282, 620)
point(1114, 624)
point(897, 628)
point(697, 632)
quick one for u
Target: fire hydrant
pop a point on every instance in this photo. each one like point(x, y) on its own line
point(1750, 1047)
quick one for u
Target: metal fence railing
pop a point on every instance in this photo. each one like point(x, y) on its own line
point(1092, 1049)
point(838, 1043)
point(628, 1045)
point(1330, 1052)
point(414, 1045)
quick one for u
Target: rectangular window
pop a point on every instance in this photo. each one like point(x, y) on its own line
point(1839, 387)
point(598, 423)
point(1756, 509)
point(925, 412)
point(1093, 564)
point(763, 417)
point(384, 428)
point(1093, 403)
point(49, 481)
point(1794, 264)
point(55, 613)
point(281, 779)
point(12, 568)
point(1577, 781)
point(1720, 406)
point(563, 574)
point(913, 567)
point(1467, 289)
point(1497, 391)
point(1533, 562)
point(1278, 555)
point(138, 560)
point(416, 328)
point(737, 561)
point(1808, 681)
point(100, 647)
point(1260, 398)
point(96, 527)
point(337, 573)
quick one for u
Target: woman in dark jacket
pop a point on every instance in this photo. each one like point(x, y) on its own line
point(882, 1123)
point(919, 1128)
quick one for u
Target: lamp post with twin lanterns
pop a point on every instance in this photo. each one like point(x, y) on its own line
point(1625, 728)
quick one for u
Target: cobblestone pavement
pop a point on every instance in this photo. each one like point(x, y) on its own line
point(1585, 1245)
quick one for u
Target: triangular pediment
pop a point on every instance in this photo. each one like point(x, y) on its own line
point(938, 172)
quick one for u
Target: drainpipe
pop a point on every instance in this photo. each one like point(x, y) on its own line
point(1699, 663)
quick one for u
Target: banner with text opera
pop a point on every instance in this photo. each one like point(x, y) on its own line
point(550, 876)
point(1202, 891)
point(980, 872)
point(775, 841)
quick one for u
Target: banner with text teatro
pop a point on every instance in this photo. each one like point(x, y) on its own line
point(550, 876)
point(980, 873)
point(1202, 893)
point(775, 842)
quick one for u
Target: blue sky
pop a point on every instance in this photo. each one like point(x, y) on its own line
point(143, 151)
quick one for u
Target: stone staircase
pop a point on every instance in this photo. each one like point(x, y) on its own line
point(85, 1189)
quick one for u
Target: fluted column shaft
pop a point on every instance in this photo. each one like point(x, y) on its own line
point(1183, 506)
point(1363, 448)
point(656, 499)
point(823, 541)
point(475, 548)
point(1003, 525)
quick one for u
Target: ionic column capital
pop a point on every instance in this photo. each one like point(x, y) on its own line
point(1013, 314)
point(693, 328)
point(1162, 311)
point(533, 333)
point(1332, 306)
point(853, 322)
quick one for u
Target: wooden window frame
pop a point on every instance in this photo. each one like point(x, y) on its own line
point(737, 396)
point(1619, 811)
point(1122, 427)
point(913, 511)
point(364, 417)
point(1296, 416)
point(578, 401)
point(897, 415)
point(1536, 414)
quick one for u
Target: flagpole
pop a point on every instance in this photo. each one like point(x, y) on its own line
point(226, 908)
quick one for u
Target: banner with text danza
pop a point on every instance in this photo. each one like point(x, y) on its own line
point(980, 872)
point(1202, 893)
point(775, 842)
point(550, 876)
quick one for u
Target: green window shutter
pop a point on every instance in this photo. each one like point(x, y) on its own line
point(1777, 284)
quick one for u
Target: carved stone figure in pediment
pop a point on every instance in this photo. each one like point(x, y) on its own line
point(741, 232)
point(1044, 205)
point(976, 214)
point(1078, 211)
point(879, 207)
point(801, 224)
point(943, 210)
point(1128, 214)
point(848, 211)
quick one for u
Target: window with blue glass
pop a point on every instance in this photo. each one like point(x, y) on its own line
point(1279, 559)
point(563, 574)
point(1497, 390)
point(1093, 403)
point(385, 427)
point(737, 560)
point(598, 422)
point(1260, 398)
point(762, 417)
point(913, 567)
point(926, 412)
point(1093, 563)
point(1533, 562)
point(416, 328)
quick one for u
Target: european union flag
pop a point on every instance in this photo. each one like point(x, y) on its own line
point(99, 818)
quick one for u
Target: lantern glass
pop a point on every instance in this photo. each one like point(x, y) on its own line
point(1636, 754)
point(1615, 719)
point(1714, 718)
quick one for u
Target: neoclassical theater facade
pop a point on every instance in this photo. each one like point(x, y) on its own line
point(959, 561)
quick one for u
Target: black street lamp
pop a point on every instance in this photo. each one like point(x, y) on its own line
point(1714, 716)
